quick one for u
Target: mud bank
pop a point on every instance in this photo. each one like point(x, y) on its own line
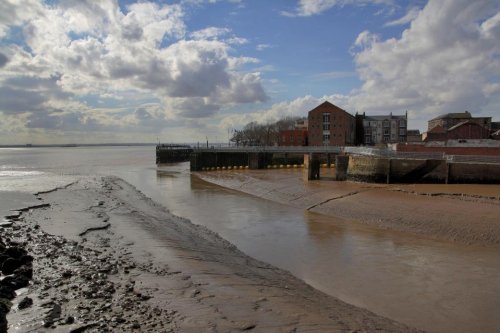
point(107, 258)
point(467, 214)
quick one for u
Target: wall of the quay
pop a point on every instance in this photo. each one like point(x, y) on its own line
point(387, 170)
point(474, 173)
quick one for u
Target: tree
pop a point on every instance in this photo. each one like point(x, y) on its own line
point(255, 134)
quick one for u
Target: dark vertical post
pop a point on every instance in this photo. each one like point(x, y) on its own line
point(313, 167)
point(341, 165)
point(389, 167)
point(447, 177)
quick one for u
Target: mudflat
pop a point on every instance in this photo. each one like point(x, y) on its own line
point(107, 258)
point(466, 214)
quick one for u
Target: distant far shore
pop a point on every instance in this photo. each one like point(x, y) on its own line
point(68, 145)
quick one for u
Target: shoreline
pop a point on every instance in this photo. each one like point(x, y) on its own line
point(450, 213)
point(107, 258)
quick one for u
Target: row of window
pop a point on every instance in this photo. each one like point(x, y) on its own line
point(402, 131)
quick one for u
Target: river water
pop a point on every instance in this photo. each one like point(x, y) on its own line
point(435, 286)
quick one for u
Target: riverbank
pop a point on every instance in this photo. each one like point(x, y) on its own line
point(107, 258)
point(457, 213)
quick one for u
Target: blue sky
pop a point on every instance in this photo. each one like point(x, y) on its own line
point(180, 71)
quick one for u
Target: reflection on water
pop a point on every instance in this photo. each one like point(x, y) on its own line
point(436, 286)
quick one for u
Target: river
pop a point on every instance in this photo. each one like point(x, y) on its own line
point(435, 286)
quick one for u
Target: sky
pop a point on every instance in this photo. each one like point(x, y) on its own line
point(103, 71)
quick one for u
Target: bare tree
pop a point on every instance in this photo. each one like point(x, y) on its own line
point(255, 134)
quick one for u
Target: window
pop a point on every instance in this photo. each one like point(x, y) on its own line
point(326, 117)
point(326, 138)
point(386, 138)
point(386, 131)
point(402, 131)
point(402, 123)
point(368, 139)
point(326, 127)
point(386, 123)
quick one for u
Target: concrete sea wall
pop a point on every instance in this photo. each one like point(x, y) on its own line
point(397, 170)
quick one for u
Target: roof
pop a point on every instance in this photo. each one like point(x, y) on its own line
point(384, 117)
point(330, 105)
point(463, 123)
point(437, 129)
point(459, 115)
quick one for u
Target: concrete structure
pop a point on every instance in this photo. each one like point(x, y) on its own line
point(329, 125)
point(295, 137)
point(171, 153)
point(399, 170)
point(396, 169)
point(453, 147)
point(449, 120)
point(383, 129)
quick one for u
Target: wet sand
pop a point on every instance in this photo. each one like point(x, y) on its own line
point(467, 214)
point(107, 258)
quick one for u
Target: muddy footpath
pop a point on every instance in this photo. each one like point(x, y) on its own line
point(99, 256)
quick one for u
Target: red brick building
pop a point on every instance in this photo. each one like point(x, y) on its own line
point(295, 137)
point(329, 125)
point(449, 120)
point(464, 130)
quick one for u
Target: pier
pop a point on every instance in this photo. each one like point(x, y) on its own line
point(171, 153)
point(350, 163)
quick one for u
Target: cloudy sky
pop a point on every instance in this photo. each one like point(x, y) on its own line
point(181, 71)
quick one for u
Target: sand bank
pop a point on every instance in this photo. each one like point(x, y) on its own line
point(468, 214)
point(107, 258)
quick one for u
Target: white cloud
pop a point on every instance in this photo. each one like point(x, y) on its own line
point(333, 75)
point(316, 7)
point(83, 47)
point(16, 12)
point(446, 61)
point(209, 33)
point(410, 16)
point(298, 107)
point(262, 47)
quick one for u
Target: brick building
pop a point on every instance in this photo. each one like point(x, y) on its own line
point(381, 129)
point(293, 137)
point(329, 125)
point(466, 130)
point(449, 120)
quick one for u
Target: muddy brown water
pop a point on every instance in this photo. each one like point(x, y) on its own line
point(436, 286)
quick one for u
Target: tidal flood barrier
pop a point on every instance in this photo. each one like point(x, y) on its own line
point(351, 163)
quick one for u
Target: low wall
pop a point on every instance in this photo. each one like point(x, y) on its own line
point(487, 151)
point(474, 173)
point(370, 169)
point(386, 170)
